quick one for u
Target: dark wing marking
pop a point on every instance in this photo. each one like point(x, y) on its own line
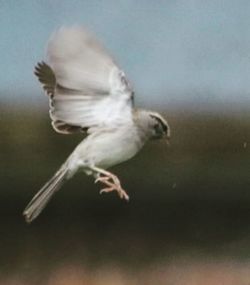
point(46, 76)
point(66, 129)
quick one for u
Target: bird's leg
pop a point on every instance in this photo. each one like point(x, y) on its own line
point(110, 180)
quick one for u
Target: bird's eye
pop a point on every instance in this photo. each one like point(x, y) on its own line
point(158, 129)
point(156, 126)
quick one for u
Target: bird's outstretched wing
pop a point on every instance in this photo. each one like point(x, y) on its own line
point(85, 85)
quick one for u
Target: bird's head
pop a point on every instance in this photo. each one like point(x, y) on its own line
point(154, 125)
point(159, 126)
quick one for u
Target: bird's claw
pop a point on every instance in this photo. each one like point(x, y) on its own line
point(112, 186)
point(122, 193)
point(102, 179)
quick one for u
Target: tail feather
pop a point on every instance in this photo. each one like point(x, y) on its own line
point(41, 199)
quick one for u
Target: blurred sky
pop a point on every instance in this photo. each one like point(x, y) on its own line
point(172, 51)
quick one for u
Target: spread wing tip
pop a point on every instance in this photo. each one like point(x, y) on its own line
point(45, 76)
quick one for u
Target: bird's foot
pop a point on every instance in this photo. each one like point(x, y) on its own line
point(113, 184)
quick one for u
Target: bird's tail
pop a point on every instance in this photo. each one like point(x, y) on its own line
point(40, 200)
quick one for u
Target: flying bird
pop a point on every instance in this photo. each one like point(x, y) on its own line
point(90, 94)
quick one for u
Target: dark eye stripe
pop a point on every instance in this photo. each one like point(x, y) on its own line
point(164, 126)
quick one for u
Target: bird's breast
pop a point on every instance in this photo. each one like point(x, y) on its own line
point(111, 147)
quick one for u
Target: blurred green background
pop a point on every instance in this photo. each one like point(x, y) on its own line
point(189, 206)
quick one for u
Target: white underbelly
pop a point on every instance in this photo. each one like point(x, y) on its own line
point(108, 149)
point(114, 153)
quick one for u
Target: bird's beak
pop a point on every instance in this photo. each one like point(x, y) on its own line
point(167, 140)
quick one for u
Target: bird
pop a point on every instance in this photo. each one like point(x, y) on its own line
point(90, 94)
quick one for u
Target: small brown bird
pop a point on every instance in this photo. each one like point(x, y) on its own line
point(89, 93)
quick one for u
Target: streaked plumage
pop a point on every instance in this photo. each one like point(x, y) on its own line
point(90, 94)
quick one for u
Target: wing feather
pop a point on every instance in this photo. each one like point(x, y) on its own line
point(86, 87)
point(46, 76)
